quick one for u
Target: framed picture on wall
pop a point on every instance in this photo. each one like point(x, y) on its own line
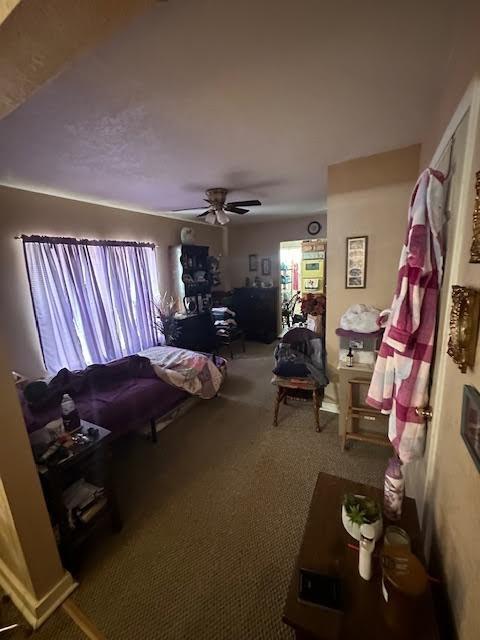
point(266, 267)
point(253, 262)
point(470, 426)
point(356, 263)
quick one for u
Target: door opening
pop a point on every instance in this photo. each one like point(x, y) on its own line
point(302, 272)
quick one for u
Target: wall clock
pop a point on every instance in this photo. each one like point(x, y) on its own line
point(314, 228)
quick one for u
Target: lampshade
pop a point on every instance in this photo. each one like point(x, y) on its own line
point(222, 217)
point(211, 218)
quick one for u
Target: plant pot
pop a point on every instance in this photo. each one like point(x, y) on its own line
point(354, 529)
point(314, 323)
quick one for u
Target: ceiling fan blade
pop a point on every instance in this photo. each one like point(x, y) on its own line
point(205, 213)
point(186, 209)
point(245, 203)
point(233, 209)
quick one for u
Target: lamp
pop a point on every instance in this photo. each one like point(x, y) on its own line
point(211, 218)
point(222, 217)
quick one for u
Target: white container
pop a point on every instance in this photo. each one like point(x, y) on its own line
point(354, 529)
point(366, 547)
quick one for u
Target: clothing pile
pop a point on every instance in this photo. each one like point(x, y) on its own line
point(225, 323)
point(301, 359)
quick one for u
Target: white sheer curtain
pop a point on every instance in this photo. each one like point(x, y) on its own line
point(92, 300)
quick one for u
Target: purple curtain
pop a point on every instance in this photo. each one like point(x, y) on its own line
point(92, 300)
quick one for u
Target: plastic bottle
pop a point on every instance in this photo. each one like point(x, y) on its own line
point(367, 545)
point(70, 416)
point(394, 489)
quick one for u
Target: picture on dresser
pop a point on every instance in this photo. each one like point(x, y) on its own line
point(253, 262)
point(356, 263)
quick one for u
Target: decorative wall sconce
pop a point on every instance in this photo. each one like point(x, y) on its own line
point(464, 318)
point(475, 249)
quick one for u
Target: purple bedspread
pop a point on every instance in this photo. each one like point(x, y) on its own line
point(120, 396)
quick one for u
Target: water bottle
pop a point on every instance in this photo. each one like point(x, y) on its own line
point(70, 416)
point(394, 489)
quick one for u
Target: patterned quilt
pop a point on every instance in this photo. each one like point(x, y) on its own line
point(194, 372)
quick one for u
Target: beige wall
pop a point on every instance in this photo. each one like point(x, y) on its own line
point(452, 507)
point(30, 567)
point(455, 499)
point(264, 239)
point(464, 62)
point(32, 213)
point(368, 196)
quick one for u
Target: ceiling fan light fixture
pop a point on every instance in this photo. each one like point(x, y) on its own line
point(222, 217)
point(211, 218)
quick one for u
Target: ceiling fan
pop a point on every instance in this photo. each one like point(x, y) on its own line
point(218, 209)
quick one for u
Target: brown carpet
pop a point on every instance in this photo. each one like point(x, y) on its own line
point(214, 515)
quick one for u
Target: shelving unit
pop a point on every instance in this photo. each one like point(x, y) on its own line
point(89, 461)
point(354, 380)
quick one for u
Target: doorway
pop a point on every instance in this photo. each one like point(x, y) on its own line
point(302, 272)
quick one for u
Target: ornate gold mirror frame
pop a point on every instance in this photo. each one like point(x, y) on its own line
point(475, 248)
point(464, 318)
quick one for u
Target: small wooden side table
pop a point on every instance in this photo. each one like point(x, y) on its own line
point(91, 461)
point(354, 382)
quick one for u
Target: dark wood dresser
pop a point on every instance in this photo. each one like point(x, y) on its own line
point(197, 333)
point(257, 312)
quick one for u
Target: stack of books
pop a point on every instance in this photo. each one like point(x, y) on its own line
point(83, 501)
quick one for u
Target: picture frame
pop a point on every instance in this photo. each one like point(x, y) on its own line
point(475, 248)
point(266, 267)
point(470, 424)
point(356, 262)
point(253, 262)
point(311, 283)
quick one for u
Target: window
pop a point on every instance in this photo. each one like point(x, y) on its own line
point(92, 299)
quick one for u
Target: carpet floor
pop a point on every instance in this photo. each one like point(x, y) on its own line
point(213, 517)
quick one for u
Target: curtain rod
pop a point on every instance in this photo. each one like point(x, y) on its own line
point(85, 241)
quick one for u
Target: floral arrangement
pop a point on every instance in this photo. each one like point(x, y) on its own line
point(164, 318)
point(313, 304)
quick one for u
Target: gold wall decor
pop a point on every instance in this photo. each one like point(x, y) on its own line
point(464, 318)
point(475, 249)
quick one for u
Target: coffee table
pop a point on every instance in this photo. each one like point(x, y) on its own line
point(325, 549)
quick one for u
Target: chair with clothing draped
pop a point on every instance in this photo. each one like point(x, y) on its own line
point(300, 370)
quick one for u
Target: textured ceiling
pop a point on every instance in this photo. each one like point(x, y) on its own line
point(39, 37)
point(255, 96)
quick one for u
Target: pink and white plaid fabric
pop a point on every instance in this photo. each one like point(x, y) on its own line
point(401, 377)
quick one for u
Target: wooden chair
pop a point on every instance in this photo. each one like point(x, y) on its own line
point(299, 388)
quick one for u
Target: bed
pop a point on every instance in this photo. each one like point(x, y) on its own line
point(121, 396)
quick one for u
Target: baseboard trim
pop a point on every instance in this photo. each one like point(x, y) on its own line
point(35, 611)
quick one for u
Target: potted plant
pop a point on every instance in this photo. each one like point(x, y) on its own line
point(164, 318)
point(358, 510)
point(313, 307)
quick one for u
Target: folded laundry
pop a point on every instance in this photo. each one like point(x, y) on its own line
point(223, 313)
point(225, 323)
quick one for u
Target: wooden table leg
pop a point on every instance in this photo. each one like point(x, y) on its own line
point(278, 399)
point(316, 409)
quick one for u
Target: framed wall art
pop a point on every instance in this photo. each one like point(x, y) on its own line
point(470, 426)
point(356, 263)
point(253, 262)
point(475, 248)
point(464, 321)
point(266, 267)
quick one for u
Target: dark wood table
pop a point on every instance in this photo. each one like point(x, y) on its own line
point(91, 461)
point(324, 549)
